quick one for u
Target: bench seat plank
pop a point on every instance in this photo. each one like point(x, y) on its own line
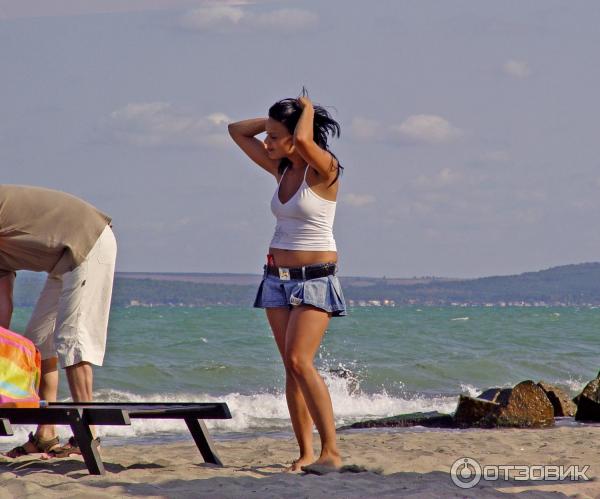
point(79, 416)
point(203, 410)
point(64, 415)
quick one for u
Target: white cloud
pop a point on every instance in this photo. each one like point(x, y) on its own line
point(443, 178)
point(219, 118)
point(496, 157)
point(152, 124)
point(531, 195)
point(446, 176)
point(182, 222)
point(215, 16)
point(286, 20)
point(420, 208)
point(358, 200)
point(11, 9)
point(226, 17)
point(419, 128)
point(365, 129)
point(517, 69)
point(426, 128)
point(529, 216)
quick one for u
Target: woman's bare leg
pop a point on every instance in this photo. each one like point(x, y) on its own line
point(301, 421)
point(306, 327)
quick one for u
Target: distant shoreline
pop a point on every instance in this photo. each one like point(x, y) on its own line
point(244, 279)
point(568, 285)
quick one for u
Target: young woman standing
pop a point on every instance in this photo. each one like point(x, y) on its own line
point(300, 290)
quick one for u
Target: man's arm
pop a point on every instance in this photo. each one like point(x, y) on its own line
point(6, 299)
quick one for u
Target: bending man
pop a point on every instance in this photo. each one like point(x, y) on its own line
point(43, 230)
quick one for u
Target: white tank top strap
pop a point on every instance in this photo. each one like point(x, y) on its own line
point(281, 178)
point(286, 169)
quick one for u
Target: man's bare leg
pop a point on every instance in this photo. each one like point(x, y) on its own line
point(48, 392)
point(81, 381)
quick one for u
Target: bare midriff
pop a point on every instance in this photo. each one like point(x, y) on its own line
point(296, 258)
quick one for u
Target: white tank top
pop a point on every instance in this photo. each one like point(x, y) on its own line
point(305, 222)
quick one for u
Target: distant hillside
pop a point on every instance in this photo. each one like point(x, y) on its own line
point(566, 285)
point(569, 284)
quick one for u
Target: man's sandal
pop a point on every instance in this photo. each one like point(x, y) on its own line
point(71, 448)
point(41, 446)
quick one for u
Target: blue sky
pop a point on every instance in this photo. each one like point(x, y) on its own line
point(469, 128)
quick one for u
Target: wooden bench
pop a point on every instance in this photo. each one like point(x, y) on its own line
point(79, 416)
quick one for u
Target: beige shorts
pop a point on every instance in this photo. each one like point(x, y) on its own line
point(70, 318)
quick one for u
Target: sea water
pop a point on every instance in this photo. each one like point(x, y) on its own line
point(377, 361)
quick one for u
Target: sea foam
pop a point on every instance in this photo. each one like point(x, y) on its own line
point(258, 413)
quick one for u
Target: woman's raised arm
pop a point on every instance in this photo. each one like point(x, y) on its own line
point(244, 135)
point(319, 159)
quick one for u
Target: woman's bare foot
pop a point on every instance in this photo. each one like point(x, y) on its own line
point(327, 462)
point(297, 464)
point(331, 459)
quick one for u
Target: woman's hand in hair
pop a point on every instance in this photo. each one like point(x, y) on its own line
point(304, 102)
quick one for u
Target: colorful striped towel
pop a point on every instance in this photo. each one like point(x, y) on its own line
point(20, 368)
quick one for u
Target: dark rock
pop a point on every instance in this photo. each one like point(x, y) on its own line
point(432, 419)
point(473, 411)
point(588, 406)
point(577, 397)
point(490, 394)
point(524, 406)
point(563, 405)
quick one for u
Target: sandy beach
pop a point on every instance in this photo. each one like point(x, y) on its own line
point(400, 464)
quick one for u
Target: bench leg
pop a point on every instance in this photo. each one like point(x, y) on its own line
point(5, 428)
point(203, 440)
point(86, 442)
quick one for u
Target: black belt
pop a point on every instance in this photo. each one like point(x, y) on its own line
point(302, 273)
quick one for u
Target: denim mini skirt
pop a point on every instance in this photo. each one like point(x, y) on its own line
point(323, 292)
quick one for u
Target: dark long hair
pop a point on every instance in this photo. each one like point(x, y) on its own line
point(288, 111)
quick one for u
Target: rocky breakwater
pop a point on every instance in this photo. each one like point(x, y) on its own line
point(526, 405)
